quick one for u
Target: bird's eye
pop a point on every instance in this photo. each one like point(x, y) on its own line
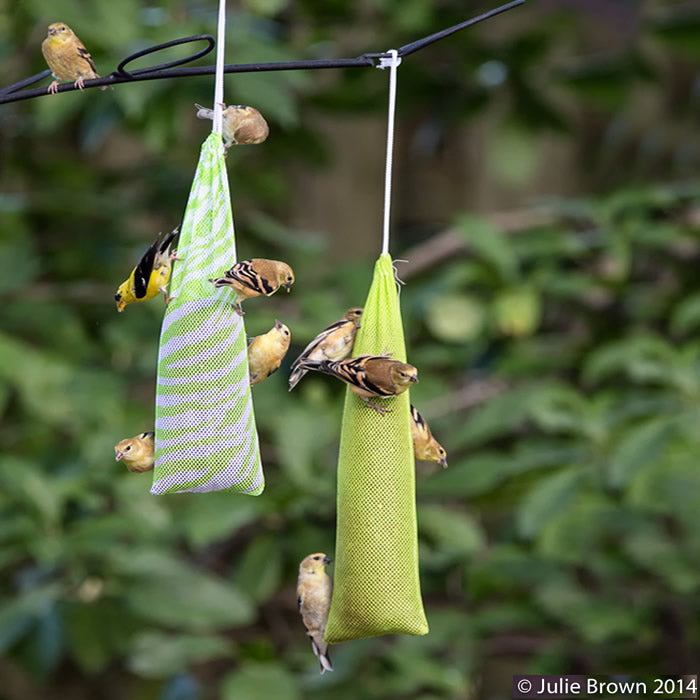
point(316, 558)
point(117, 297)
point(442, 450)
point(289, 279)
point(127, 448)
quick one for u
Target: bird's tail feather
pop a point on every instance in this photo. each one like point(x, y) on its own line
point(323, 658)
point(296, 376)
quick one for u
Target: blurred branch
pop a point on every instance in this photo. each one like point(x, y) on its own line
point(450, 243)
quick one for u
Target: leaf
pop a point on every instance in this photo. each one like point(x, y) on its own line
point(686, 315)
point(22, 610)
point(268, 681)
point(158, 654)
point(550, 496)
point(259, 572)
point(639, 447)
point(455, 318)
point(167, 590)
point(490, 244)
point(451, 531)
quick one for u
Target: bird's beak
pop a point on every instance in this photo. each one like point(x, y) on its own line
point(414, 377)
point(119, 455)
point(52, 31)
point(442, 462)
point(278, 325)
point(288, 286)
point(120, 306)
point(327, 560)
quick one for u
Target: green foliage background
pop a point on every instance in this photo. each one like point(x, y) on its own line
point(557, 352)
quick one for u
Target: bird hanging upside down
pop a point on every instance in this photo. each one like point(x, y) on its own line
point(241, 125)
point(314, 591)
point(151, 276)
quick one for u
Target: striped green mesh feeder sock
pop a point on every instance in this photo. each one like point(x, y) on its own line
point(206, 438)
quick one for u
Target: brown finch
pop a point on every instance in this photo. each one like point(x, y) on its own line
point(255, 277)
point(425, 446)
point(314, 591)
point(136, 452)
point(332, 343)
point(68, 59)
point(369, 376)
point(266, 352)
point(241, 125)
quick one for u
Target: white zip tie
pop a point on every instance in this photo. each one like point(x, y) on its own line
point(393, 61)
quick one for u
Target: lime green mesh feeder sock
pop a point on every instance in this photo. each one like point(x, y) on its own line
point(376, 585)
point(206, 438)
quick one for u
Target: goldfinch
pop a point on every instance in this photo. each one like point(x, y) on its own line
point(314, 591)
point(425, 446)
point(369, 376)
point(151, 276)
point(332, 343)
point(241, 124)
point(136, 452)
point(68, 59)
point(255, 277)
point(266, 352)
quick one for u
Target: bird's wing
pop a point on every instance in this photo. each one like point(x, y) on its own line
point(142, 272)
point(245, 274)
point(85, 55)
point(306, 352)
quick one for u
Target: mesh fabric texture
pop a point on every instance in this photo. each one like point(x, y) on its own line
point(376, 585)
point(206, 438)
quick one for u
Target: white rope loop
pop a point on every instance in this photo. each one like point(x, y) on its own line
point(392, 62)
point(219, 74)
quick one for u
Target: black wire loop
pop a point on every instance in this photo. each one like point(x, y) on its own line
point(15, 92)
point(121, 70)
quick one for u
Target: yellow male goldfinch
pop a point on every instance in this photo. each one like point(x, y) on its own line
point(314, 591)
point(241, 124)
point(136, 452)
point(68, 59)
point(425, 446)
point(151, 276)
point(369, 375)
point(332, 343)
point(266, 352)
point(255, 277)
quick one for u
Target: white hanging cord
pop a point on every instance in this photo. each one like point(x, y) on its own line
point(219, 74)
point(393, 63)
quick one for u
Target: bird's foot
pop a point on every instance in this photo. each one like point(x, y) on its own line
point(79, 83)
point(173, 257)
point(381, 410)
point(53, 88)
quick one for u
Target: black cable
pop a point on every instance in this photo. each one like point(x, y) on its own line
point(17, 92)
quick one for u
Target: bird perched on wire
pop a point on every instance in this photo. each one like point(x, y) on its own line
point(266, 352)
point(136, 452)
point(68, 59)
point(332, 343)
point(151, 276)
point(369, 376)
point(425, 446)
point(255, 277)
point(240, 125)
point(314, 591)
